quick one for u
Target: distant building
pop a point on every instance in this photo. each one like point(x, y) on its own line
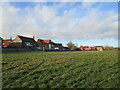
point(1, 42)
point(23, 42)
point(116, 48)
point(65, 48)
point(93, 48)
point(44, 44)
point(41, 44)
point(85, 48)
point(7, 42)
point(99, 48)
point(48, 44)
point(57, 46)
point(108, 48)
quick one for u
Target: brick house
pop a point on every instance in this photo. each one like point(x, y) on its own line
point(48, 44)
point(7, 42)
point(93, 48)
point(99, 48)
point(108, 48)
point(58, 46)
point(1, 42)
point(85, 48)
point(23, 42)
point(41, 44)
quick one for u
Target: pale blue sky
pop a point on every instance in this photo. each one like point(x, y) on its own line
point(83, 23)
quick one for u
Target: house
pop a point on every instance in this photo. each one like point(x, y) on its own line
point(65, 48)
point(108, 48)
point(41, 44)
point(116, 48)
point(99, 48)
point(85, 48)
point(93, 48)
point(23, 42)
point(57, 46)
point(7, 42)
point(1, 42)
point(48, 44)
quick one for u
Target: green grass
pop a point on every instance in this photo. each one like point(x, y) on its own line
point(71, 69)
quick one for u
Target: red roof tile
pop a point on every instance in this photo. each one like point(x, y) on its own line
point(7, 42)
point(47, 41)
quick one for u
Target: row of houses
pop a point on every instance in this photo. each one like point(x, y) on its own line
point(27, 42)
point(99, 48)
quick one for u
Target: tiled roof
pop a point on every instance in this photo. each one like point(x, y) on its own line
point(47, 41)
point(85, 46)
point(27, 39)
point(7, 42)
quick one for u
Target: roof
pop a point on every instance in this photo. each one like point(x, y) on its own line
point(98, 46)
point(57, 43)
point(44, 41)
point(84, 46)
point(27, 39)
point(66, 47)
point(39, 40)
point(47, 41)
point(1, 38)
point(6, 42)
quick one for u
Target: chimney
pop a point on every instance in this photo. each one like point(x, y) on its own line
point(11, 38)
point(33, 37)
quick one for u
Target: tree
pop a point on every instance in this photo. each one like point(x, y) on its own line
point(71, 46)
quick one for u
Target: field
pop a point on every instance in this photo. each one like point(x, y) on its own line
point(71, 69)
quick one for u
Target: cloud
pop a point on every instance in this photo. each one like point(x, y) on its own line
point(43, 21)
point(87, 4)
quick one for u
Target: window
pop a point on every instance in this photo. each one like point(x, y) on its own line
point(52, 45)
point(28, 44)
point(49, 45)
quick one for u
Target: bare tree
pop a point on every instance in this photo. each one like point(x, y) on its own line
point(71, 46)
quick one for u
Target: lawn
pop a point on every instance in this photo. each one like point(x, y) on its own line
point(70, 69)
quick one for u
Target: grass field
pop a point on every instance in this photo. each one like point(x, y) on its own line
point(71, 69)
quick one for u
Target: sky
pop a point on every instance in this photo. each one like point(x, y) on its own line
point(83, 23)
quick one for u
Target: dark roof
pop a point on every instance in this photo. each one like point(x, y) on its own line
point(27, 39)
point(1, 38)
point(39, 40)
point(57, 43)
